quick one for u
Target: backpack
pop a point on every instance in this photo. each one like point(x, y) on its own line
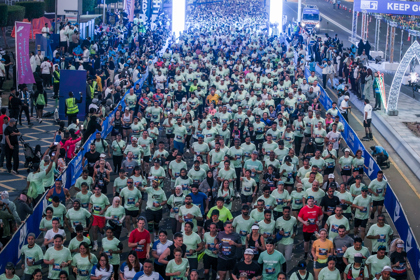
point(300, 277)
point(40, 100)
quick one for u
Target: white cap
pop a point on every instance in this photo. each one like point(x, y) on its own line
point(400, 245)
point(255, 227)
point(134, 138)
point(346, 97)
point(249, 251)
point(387, 268)
point(184, 99)
point(331, 176)
point(347, 150)
point(102, 155)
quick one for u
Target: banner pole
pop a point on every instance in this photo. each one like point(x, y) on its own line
point(17, 64)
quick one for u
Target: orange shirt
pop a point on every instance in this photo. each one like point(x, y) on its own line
point(322, 248)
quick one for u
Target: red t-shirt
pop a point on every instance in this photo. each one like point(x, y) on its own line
point(311, 215)
point(1, 123)
point(136, 236)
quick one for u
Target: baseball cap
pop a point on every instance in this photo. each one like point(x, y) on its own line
point(249, 251)
point(184, 99)
point(387, 268)
point(331, 176)
point(280, 183)
point(12, 120)
point(255, 227)
point(102, 156)
point(347, 150)
point(299, 185)
point(301, 265)
point(215, 212)
point(134, 138)
point(255, 152)
point(364, 188)
point(346, 97)
point(10, 265)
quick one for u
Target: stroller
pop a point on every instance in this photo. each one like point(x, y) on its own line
point(31, 160)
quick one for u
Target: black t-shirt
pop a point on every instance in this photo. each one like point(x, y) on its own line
point(329, 204)
point(219, 225)
point(399, 257)
point(171, 250)
point(179, 95)
point(13, 139)
point(253, 269)
point(15, 102)
point(92, 158)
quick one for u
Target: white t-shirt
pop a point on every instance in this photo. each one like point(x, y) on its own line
point(45, 67)
point(368, 110)
point(50, 235)
point(45, 29)
point(343, 104)
point(106, 275)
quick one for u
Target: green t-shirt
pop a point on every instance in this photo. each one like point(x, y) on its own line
point(156, 113)
point(355, 191)
point(237, 154)
point(257, 215)
point(359, 163)
point(297, 202)
point(248, 186)
point(33, 254)
point(378, 188)
point(281, 153)
point(3, 277)
point(326, 274)
point(184, 211)
point(100, 146)
point(98, 204)
point(227, 175)
point(216, 157)
point(107, 245)
point(192, 241)
point(268, 201)
point(175, 202)
point(346, 196)
point(173, 267)
point(224, 213)
point(59, 257)
point(334, 223)
point(131, 197)
point(59, 212)
point(376, 265)
point(272, 264)
point(169, 129)
point(145, 144)
point(185, 184)
point(209, 240)
point(365, 203)
point(350, 252)
point(281, 199)
point(45, 224)
point(139, 181)
point(136, 128)
point(269, 148)
point(318, 195)
point(176, 167)
point(119, 184)
point(154, 196)
point(136, 152)
point(84, 266)
point(160, 172)
point(248, 149)
point(259, 128)
point(77, 217)
point(242, 226)
point(80, 180)
point(115, 213)
point(267, 229)
point(355, 272)
point(295, 277)
point(302, 172)
point(319, 135)
point(257, 165)
point(201, 148)
point(117, 147)
point(288, 227)
point(180, 132)
point(48, 179)
point(329, 162)
point(287, 176)
point(74, 243)
point(384, 233)
point(345, 163)
point(197, 176)
point(317, 162)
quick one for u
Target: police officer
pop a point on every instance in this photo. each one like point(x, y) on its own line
point(71, 107)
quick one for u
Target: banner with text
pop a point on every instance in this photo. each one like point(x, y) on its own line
point(23, 64)
point(387, 7)
point(129, 9)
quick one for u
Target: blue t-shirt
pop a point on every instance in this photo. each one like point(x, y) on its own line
point(379, 150)
point(153, 276)
point(199, 200)
point(312, 66)
point(159, 248)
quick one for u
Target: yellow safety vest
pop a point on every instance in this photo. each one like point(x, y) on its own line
point(92, 89)
point(72, 106)
point(58, 75)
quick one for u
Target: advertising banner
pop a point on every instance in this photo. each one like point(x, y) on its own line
point(74, 81)
point(129, 9)
point(23, 64)
point(388, 7)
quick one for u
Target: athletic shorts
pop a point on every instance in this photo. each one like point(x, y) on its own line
point(345, 172)
point(378, 203)
point(226, 265)
point(328, 171)
point(307, 236)
point(133, 213)
point(360, 223)
point(318, 265)
point(367, 123)
point(209, 262)
point(169, 136)
point(246, 198)
point(98, 221)
point(154, 216)
point(200, 223)
point(146, 159)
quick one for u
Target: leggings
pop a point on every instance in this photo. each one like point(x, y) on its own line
point(298, 144)
point(188, 141)
point(117, 162)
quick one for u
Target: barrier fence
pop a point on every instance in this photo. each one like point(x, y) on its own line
point(392, 204)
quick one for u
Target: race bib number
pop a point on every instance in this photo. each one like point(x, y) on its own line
point(311, 221)
point(322, 252)
point(97, 209)
point(56, 267)
point(270, 270)
point(130, 200)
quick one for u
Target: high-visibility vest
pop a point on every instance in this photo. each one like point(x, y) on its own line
point(71, 106)
point(58, 76)
point(92, 89)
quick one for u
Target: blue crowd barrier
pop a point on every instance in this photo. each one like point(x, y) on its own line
point(392, 204)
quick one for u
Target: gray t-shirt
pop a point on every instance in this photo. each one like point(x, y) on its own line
point(339, 243)
point(129, 166)
point(226, 251)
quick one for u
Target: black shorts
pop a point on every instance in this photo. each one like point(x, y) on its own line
point(63, 44)
point(154, 216)
point(146, 159)
point(378, 203)
point(39, 107)
point(328, 171)
point(367, 123)
point(345, 172)
point(200, 223)
point(246, 199)
point(226, 265)
point(360, 223)
point(318, 265)
point(169, 136)
point(133, 213)
point(209, 262)
point(340, 265)
point(307, 236)
point(115, 132)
